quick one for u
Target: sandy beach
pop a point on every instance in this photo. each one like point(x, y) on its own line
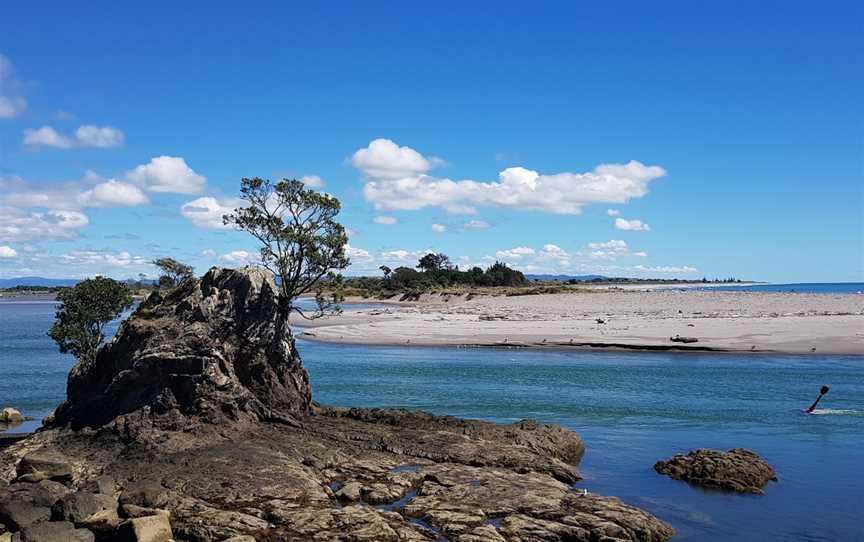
point(626, 319)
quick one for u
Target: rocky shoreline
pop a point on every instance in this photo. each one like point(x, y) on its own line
point(197, 423)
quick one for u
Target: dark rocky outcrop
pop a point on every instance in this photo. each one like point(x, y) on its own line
point(213, 350)
point(736, 470)
point(179, 430)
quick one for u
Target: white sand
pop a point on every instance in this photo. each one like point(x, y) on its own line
point(731, 321)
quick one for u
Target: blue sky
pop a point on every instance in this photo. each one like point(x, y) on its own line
point(727, 136)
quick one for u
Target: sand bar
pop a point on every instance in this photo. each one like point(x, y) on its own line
point(722, 321)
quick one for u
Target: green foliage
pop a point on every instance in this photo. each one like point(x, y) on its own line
point(84, 311)
point(302, 243)
point(500, 275)
point(439, 273)
point(434, 262)
point(174, 273)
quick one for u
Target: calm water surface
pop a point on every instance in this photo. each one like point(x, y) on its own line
point(632, 409)
point(801, 288)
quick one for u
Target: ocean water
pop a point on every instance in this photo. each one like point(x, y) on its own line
point(801, 288)
point(632, 409)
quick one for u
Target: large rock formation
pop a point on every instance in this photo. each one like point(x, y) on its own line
point(738, 469)
point(185, 437)
point(213, 349)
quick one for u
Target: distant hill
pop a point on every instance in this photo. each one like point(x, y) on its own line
point(563, 278)
point(36, 281)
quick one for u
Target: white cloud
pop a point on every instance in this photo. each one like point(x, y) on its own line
point(631, 225)
point(99, 136)
point(113, 194)
point(611, 250)
point(641, 254)
point(236, 257)
point(168, 174)
point(439, 228)
point(384, 159)
point(208, 253)
point(551, 251)
point(358, 256)
point(666, 269)
point(396, 178)
point(7, 252)
point(400, 255)
point(11, 104)
point(47, 136)
point(11, 107)
point(91, 191)
point(476, 225)
point(85, 136)
point(19, 225)
point(207, 212)
point(313, 181)
point(386, 220)
point(97, 262)
point(514, 253)
point(613, 212)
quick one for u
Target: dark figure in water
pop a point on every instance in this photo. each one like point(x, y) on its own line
point(822, 392)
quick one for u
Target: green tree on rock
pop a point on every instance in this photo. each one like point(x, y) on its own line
point(84, 311)
point(302, 244)
point(174, 273)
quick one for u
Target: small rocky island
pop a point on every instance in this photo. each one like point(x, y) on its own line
point(197, 423)
point(739, 470)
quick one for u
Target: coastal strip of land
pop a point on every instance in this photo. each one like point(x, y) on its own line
point(794, 323)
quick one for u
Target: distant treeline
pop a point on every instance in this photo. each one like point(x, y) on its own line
point(35, 289)
point(436, 271)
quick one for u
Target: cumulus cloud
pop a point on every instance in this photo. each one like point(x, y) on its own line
point(92, 191)
point(613, 212)
point(631, 225)
point(7, 252)
point(207, 212)
point(97, 260)
point(386, 220)
point(237, 257)
point(12, 103)
point(208, 253)
point(85, 136)
point(313, 181)
point(439, 228)
point(396, 178)
point(56, 224)
point(113, 194)
point(476, 225)
point(99, 136)
point(384, 159)
point(611, 250)
point(47, 136)
point(358, 256)
point(167, 174)
point(514, 253)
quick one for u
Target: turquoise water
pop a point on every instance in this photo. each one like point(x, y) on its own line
point(801, 288)
point(631, 409)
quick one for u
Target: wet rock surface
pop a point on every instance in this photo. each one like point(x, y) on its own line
point(738, 469)
point(196, 424)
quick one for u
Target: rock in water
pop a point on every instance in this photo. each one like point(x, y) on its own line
point(11, 416)
point(736, 470)
point(184, 402)
point(213, 349)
